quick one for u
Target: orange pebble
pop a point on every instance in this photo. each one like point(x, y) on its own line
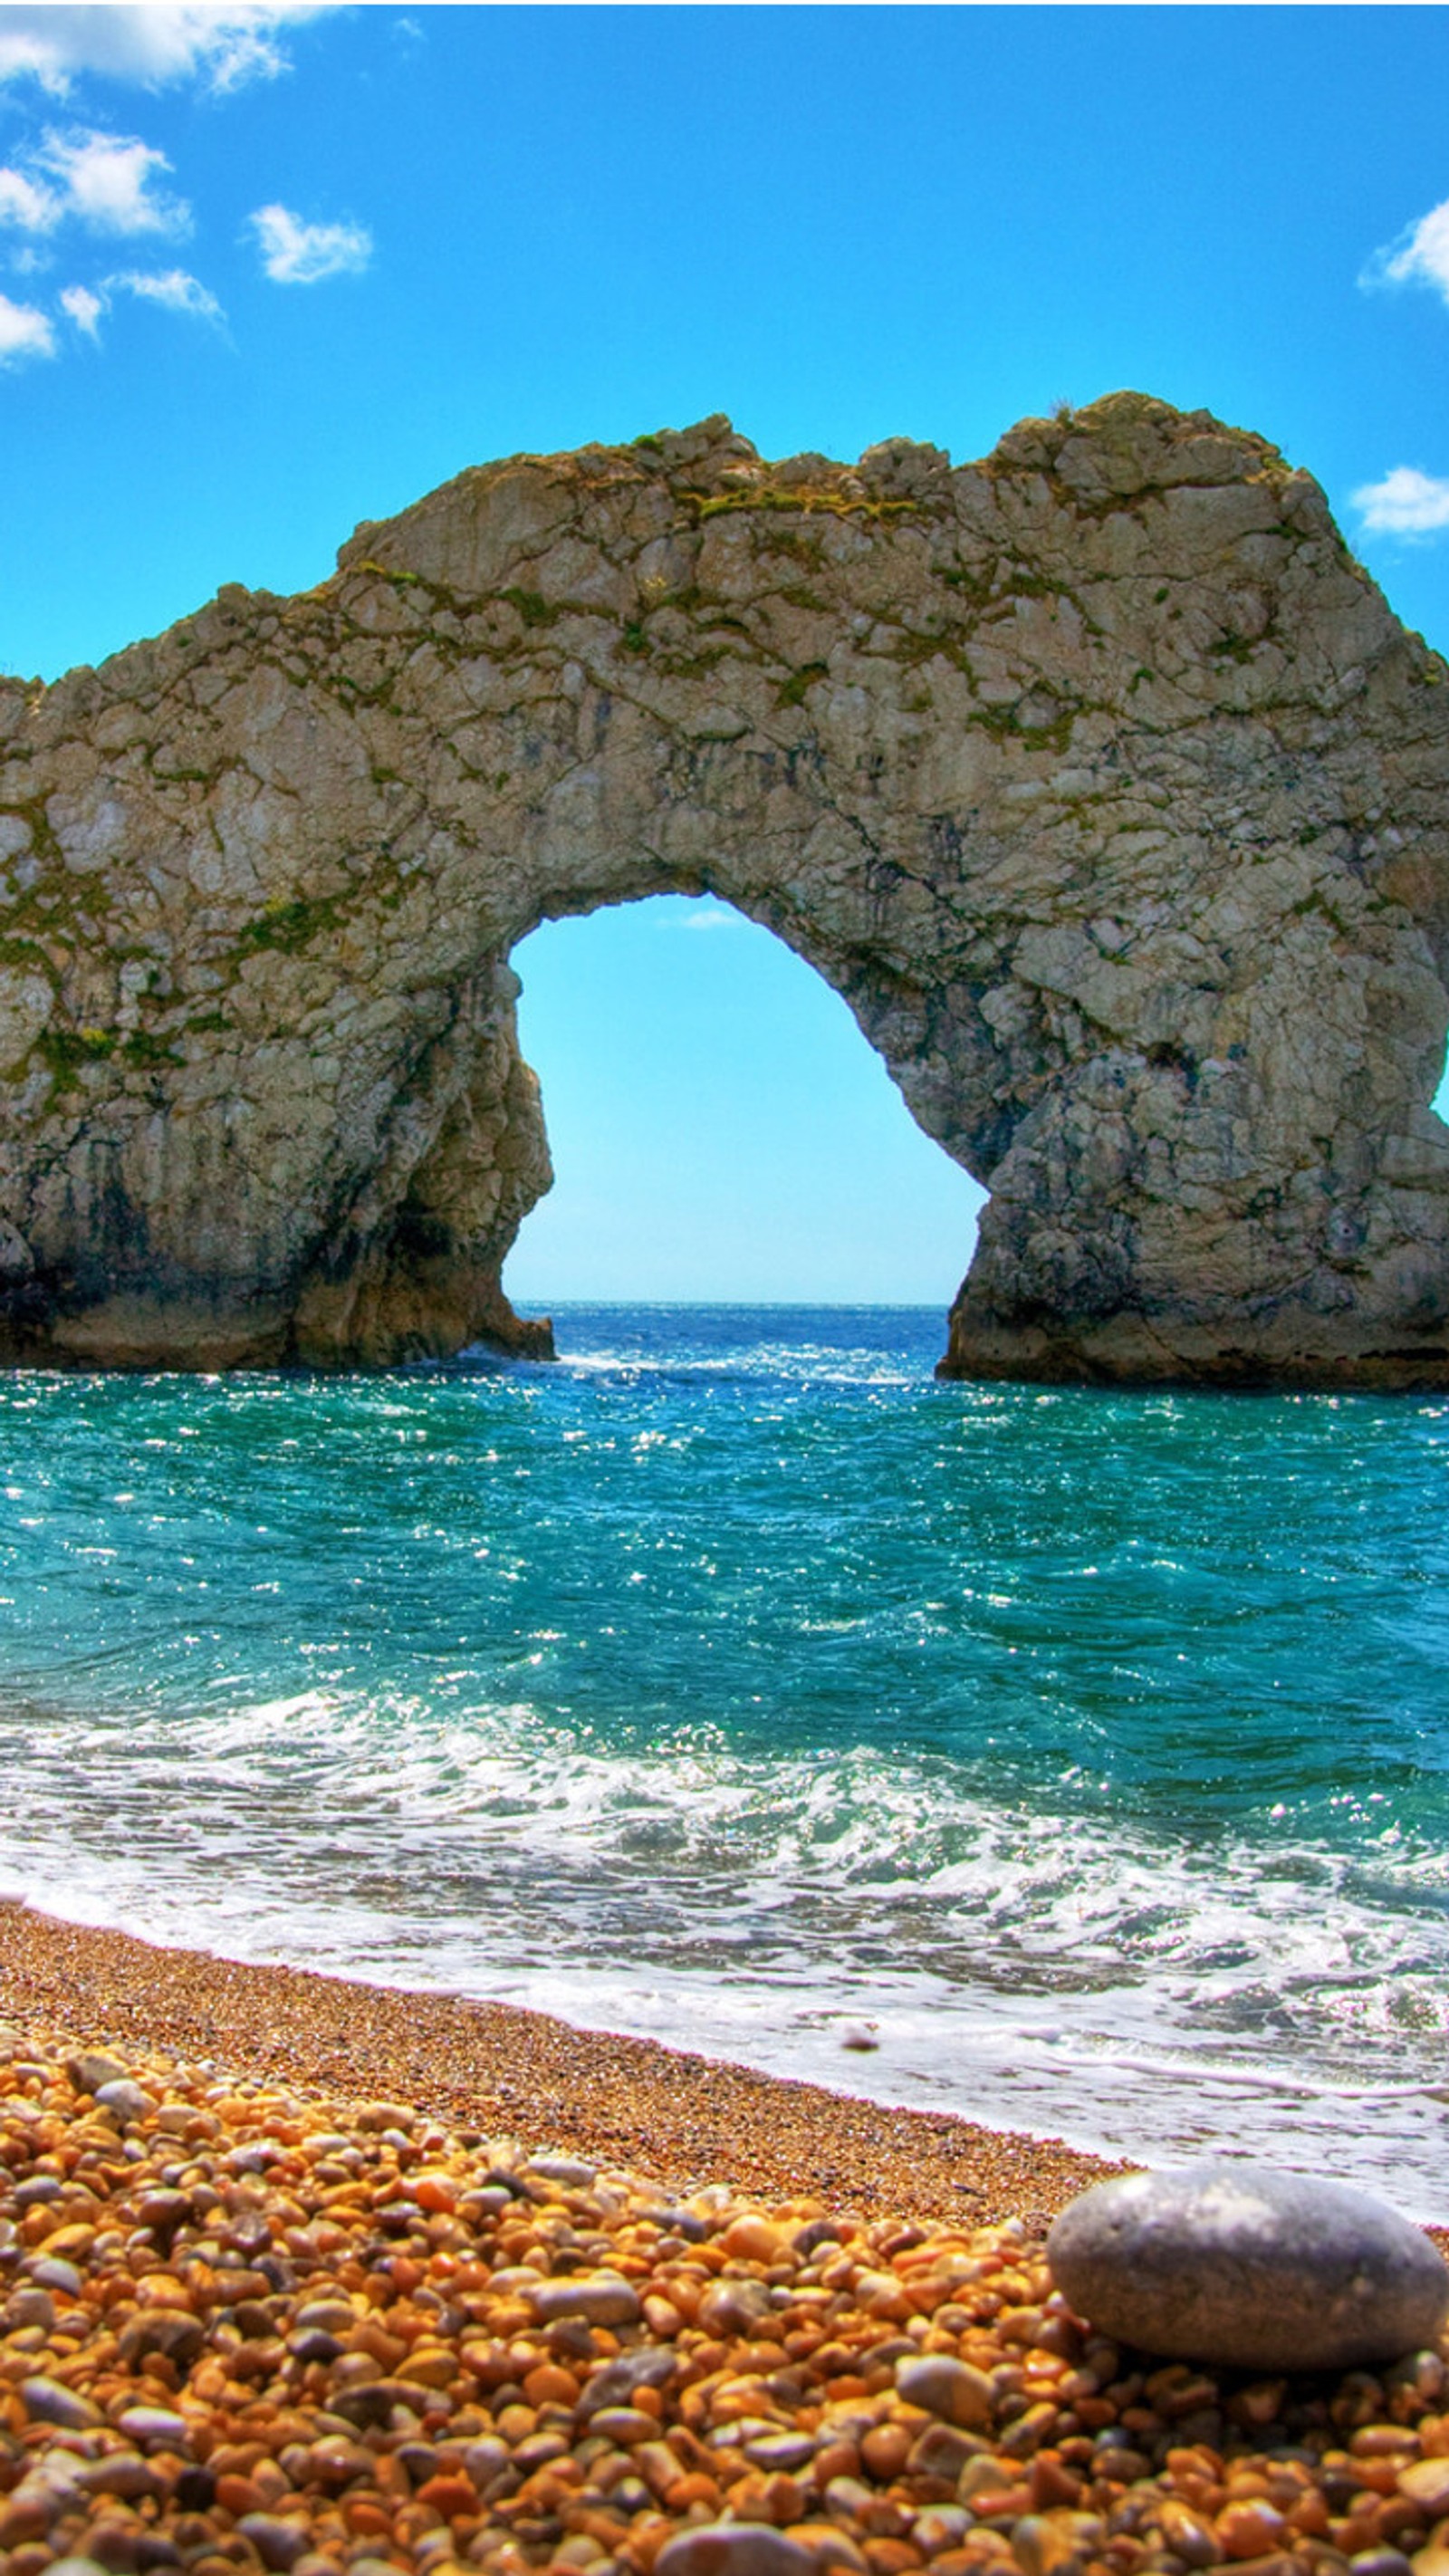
point(27, 2520)
point(1001, 2504)
point(1251, 2529)
point(782, 2498)
point(646, 2538)
point(551, 2385)
point(370, 2521)
point(450, 2494)
point(694, 2488)
point(751, 2239)
point(748, 2498)
point(237, 2495)
point(1052, 2483)
point(1246, 2486)
point(1189, 2538)
point(1395, 2517)
point(886, 2448)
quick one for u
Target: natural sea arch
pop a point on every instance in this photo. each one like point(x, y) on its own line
point(1097, 778)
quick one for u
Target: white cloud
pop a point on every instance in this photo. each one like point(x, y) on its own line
point(223, 45)
point(1420, 256)
point(710, 916)
point(27, 202)
point(108, 181)
point(1406, 503)
point(85, 309)
point(170, 287)
point(298, 254)
point(24, 333)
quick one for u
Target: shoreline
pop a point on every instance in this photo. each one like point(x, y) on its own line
point(687, 2118)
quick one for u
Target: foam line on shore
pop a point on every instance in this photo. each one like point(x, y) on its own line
point(683, 2116)
point(884, 2155)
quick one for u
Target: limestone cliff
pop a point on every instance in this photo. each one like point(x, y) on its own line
point(1097, 777)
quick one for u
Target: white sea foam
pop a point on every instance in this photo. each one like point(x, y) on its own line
point(1052, 1972)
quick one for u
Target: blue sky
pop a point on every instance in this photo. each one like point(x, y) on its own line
point(266, 271)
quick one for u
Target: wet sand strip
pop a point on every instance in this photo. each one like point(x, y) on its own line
point(494, 2067)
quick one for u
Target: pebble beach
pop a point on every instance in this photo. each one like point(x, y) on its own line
point(312, 2276)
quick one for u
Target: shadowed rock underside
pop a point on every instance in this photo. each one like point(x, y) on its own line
point(1097, 777)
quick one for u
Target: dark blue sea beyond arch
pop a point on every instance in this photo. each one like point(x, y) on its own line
point(735, 1682)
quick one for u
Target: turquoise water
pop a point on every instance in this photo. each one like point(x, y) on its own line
point(734, 1682)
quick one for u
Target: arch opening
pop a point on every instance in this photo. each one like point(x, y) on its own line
point(719, 1129)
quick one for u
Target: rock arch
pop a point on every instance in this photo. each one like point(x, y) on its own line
point(1097, 777)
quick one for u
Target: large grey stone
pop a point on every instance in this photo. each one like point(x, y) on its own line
point(1096, 776)
point(1240, 2265)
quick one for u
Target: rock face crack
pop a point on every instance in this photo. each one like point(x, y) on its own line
point(1097, 777)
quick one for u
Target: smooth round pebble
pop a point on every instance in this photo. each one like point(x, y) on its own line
point(601, 2298)
point(128, 2101)
point(156, 2427)
point(564, 2169)
point(92, 2068)
point(32, 2307)
point(50, 2272)
point(1239, 2265)
point(734, 2549)
point(278, 2544)
point(46, 2402)
point(1426, 2483)
point(946, 2387)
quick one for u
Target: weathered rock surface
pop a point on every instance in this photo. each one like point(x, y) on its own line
point(1235, 2264)
point(1097, 777)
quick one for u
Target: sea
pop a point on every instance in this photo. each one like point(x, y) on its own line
point(1072, 1759)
